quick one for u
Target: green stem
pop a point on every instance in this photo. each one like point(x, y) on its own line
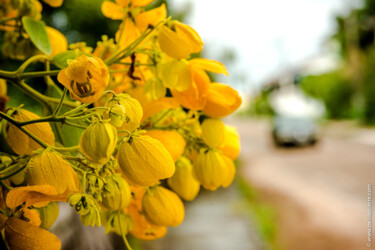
point(5, 185)
point(75, 125)
point(16, 123)
point(58, 108)
point(30, 61)
point(66, 149)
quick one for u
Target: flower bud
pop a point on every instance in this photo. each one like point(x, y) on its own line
point(98, 142)
point(231, 146)
point(231, 172)
point(179, 40)
point(210, 169)
point(213, 132)
point(163, 207)
point(20, 142)
point(222, 100)
point(50, 168)
point(85, 77)
point(57, 40)
point(144, 160)
point(119, 195)
point(116, 222)
point(133, 111)
point(183, 182)
point(48, 214)
point(117, 115)
point(173, 142)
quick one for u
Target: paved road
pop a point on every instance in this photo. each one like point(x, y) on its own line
point(320, 193)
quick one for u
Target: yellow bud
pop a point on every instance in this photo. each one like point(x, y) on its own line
point(213, 132)
point(210, 169)
point(144, 160)
point(49, 168)
point(163, 207)
point(231, 146)
point(48, 214)
point(183, 182)
point(171, 140)
point(57, 40)
point(22, 143)
point(176, 75)
point(117, 115)
point(133, 111)
point(98, 142)
point(179, 40)
point(117, 222)
point(231, 172)
point(222, 100)
point(119, 196)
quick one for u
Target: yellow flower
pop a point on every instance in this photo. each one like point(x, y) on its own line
point(54, 3)
point(171, 140)
point(135, 19)
point(213, 132)
point(48, 168)
point(20, 142)
point(20, 234)
point(133, 111)
point(183, 182)
point(194, 97)
point(98, 142)
point(163, 207)
point(179, 40)
point(210, 169)
point(231, 146)
point(118, 196)
point(144, 160)
point(222, 100)
point(57, 40)
point(231, 172)
point(176, 75)
point(85, 77)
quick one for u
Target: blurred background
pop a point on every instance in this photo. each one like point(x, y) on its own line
point(306, 72)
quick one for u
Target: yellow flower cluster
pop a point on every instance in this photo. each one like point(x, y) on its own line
point(150, 128)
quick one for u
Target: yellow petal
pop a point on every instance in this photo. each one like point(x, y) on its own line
point(194, 97)
point(20, 234)
point(33, 216)
point(151, 17)
point(32, 195)
point(123, 3)
point(176, 75)
point(141, 3)
point(112, 10)
point(209, 65)
point(54, 3)
point(57, 40)
point(231, 172)
point(190, 35)
point(127, 33)
point(173, 44)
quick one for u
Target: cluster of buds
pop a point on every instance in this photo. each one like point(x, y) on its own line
point(145, 120)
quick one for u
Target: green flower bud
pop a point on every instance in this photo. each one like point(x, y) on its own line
point(98, 142)
point(48, 214)
point(87, 207)
point(117, 115)
point(117, 222)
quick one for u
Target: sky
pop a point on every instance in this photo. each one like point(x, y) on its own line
point(267, 36)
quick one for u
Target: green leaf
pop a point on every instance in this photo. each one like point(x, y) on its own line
point(38, 34)
point(61, 60)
